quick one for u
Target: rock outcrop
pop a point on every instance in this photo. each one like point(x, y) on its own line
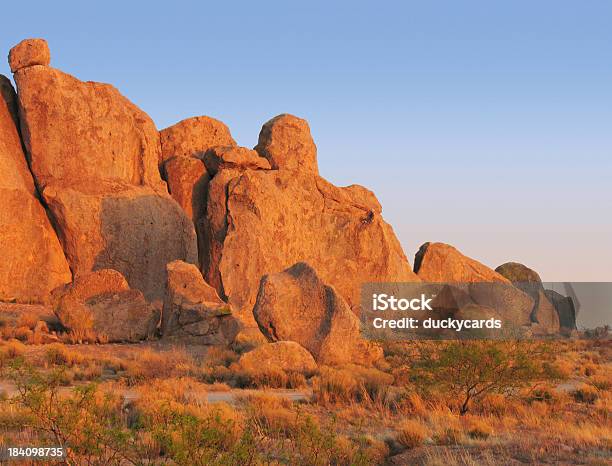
point(193, 309)
point(439, 262)
point(29, 52)
point(286, 355)
point(565, 309)
point(235, 157)
point(188, 184)
point(94, 156)
point(101, 303)
point(262, 221)
point(192, 137)
point(33, 262)
point(286, 142)
point(543, 314)
point(296, 305)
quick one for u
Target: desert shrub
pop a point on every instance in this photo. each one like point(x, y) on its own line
point(411, 433)
point(585, 394)
point(58, 355)
point(478, 427)
point(248, 340)
point(352, 383)
point(10, 350)
point(469, 370)
point(271, 414)
point(27, 319)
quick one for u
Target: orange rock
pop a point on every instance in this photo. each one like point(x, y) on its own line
point(188, 183)
point(33, 262)
point(286, 355)
point(296, 305)
point(102, 302)
point(439, 262)
point(261, 222)
point(29, 52)
point(233, 157)
point(131, 229)
point(286, 142)
point(193, 309)
point(84, 131)
point(193, 137)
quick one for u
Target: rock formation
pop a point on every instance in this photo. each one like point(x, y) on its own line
point(296, 305)
point(286, 355)
point(29, 52)
point(565, 309)
point(94, 156)
point(543, 314)
point(262, 221)
point(102, 302)
point(33, 262)
point(192, 308)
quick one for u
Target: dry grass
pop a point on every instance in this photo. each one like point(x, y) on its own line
point(411, 433)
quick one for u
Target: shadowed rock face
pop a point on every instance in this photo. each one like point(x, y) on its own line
point(296, 305)
point(33, 262)
point(565, 309)
point(261, 222)
point(127, 228)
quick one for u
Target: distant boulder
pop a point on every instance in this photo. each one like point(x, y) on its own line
point(296, 305)
point(565, 309)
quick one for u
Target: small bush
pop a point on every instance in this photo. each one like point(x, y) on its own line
point(411, 433)
point(478, 428)
point(586, 394)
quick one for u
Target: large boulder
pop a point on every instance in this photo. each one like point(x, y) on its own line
point(101, 304)
point(286, 355)
point(233, 157)
point(192, 137)
point(192, 308)
point(565, 309)
point(262, 221)
point(29, 52)
point(296, 305)
point(543, 314)
point(33, 262)
point(94, 156)
point(286, 142)
point(440, 262)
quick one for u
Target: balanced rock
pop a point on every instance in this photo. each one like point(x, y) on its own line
point(440, 262)
point(29, 52)
point(188, 184)
point(296, 305)
point(33, 262)
point(262, 221)
point(286, 355)
point(286, 142)
point(192, 137)
point(233, 157)
point(94, 156)
point(192, 308)
point(103, 303)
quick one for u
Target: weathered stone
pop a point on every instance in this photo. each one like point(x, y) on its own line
point(8, 95)
point(286, 142)
point(286, 355)
point(261, 222)
point(565, 309)
point(33, 262)
point(296, 305)
point(188, 184)
point(84, 131)
point(193, 137)
point(29, 52)
point(233, 157)
point(543, 314)
point(131, 229)
point(439, 262)
point(192, 308)
point(514, 306)
point(103, 303)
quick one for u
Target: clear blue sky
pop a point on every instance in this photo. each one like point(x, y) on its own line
point(484, 124)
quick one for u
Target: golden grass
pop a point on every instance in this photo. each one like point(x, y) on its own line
point(411, 433)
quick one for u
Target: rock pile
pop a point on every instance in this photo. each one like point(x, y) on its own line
point(98, 204)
